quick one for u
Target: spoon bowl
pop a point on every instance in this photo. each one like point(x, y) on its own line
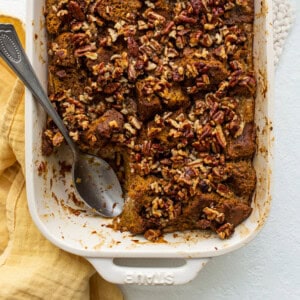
point(94, 180)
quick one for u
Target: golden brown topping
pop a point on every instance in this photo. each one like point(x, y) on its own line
point(158, 88)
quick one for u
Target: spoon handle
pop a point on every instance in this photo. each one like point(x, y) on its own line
point(14, 55)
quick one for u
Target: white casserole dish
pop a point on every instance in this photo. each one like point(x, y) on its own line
point(84, 234)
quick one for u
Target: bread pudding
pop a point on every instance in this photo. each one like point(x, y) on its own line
point(165, 92)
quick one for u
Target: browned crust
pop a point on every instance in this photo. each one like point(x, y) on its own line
point(164, 91)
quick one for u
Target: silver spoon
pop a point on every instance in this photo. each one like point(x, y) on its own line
point(94, 180)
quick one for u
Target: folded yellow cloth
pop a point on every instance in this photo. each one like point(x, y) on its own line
point(30, 266)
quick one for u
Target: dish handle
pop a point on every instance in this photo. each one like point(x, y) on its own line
point(114, 273)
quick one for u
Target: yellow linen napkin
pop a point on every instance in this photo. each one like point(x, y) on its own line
point(30, 266)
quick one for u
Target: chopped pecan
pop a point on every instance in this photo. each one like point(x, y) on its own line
point(130, 129)
point(168, 27)
point(184, 18)
point(219, 117)
point(80, 39)
point(220, 136)
point(206, 40)
point(133, 47)
point(152, 234)
point(198, 6)
point(111, 87)
point(220, 52)
point(214, 215)
point(154, 18)
point(195, 38)
point(57, 139)
point(142, 25)
point(132, 74)
point(205, 131)
point(225, 231)
point(180, 41)
point(135, 122)
point(76, 11)
point(82, 51)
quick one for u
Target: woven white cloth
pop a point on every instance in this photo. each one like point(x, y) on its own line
point(282, 21)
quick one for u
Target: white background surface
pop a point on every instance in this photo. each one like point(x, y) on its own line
point(269, 267)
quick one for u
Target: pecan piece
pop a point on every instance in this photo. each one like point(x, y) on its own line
point(133, 47)
point(153, 17)
point(76, 11)
point(205, 131)
point(195, 37)
point(184, 18)
point(214, 215)
point(220, 52)
point(132, 74)
point(220, 136)
point(84, 49)
point(180, 42)
point(219, 117)
point(206, 40)
point(79, 39)
point(57, 139)
point(225, 231)
point(198, 6)
point(111, 87)
point(178, 74)
point(168, 28)
point(135, 122)
point(152, 234)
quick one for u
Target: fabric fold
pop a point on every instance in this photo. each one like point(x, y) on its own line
point(30, 266)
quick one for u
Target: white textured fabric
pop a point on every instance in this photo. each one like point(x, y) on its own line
point(282, 21)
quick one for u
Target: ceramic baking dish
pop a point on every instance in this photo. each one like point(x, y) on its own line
point(65, 222)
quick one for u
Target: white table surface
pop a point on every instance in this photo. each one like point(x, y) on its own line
point(269, 267)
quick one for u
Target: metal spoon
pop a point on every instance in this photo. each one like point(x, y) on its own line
point(94, 180)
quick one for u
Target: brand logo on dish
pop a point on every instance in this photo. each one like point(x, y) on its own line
point(155, 278)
